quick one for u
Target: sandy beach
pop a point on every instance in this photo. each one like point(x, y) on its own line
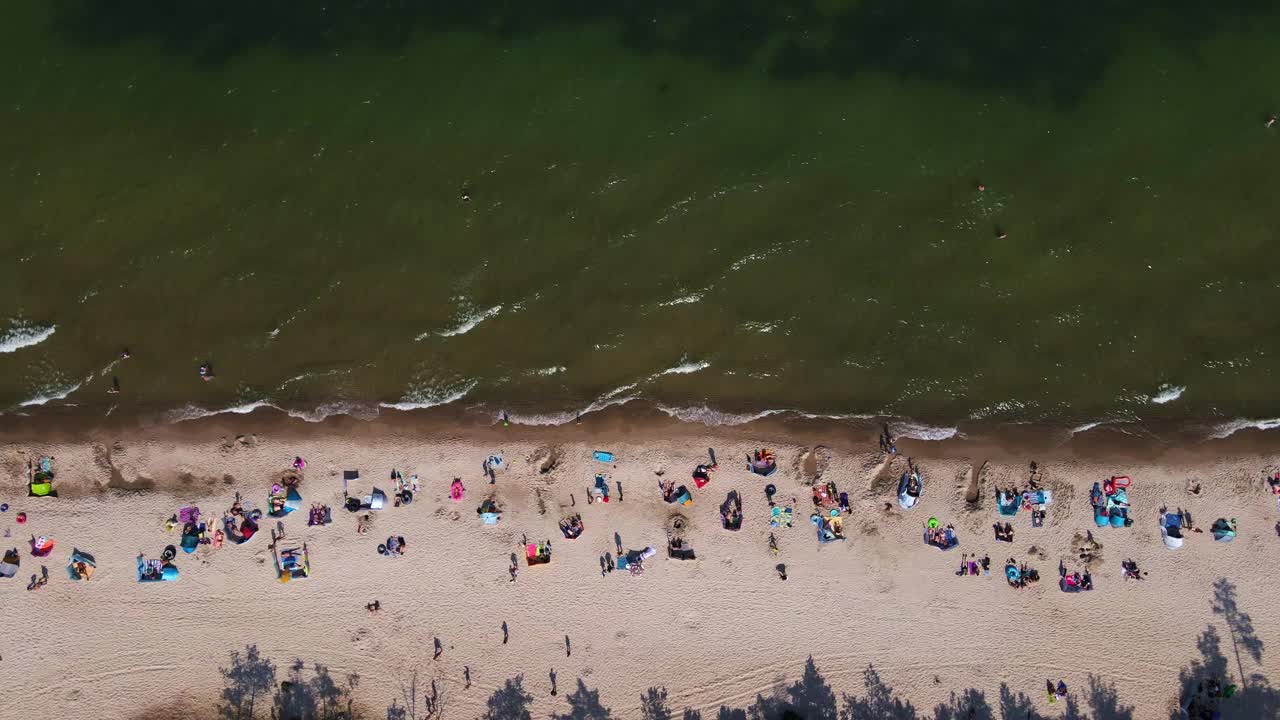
point(721, 631)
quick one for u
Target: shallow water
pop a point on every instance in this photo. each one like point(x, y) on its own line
point(723, 212)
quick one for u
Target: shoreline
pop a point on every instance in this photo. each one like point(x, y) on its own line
point(878, 598)
point(994, 440)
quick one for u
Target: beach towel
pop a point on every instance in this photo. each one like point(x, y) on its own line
point(1008, 505)
point(780, 517)
point(602, 456)
point(190, 542)
point(189, 513)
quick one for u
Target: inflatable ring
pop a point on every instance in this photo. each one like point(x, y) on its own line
point(22, 518)
point(770, 489)
point(4, 507)
point(933, 523)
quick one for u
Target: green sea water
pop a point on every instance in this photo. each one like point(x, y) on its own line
point(723, 208)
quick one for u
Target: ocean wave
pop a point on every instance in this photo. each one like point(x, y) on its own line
point(428, 396)
point(49, 395)
point(684, 368)
point(759, 327)
point(1003, 408)
point(195, 412)
point(564, 418)
point(711, 417)
point(466, 323)
point(1086, 427)
point(688, 299)
point(1168, 393)
point(548, 371)
point(22, 334)
point(1227, 429)
point(920, 431)
point(328, 410)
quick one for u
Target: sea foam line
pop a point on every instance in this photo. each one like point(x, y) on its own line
point(468, 323)
point(1168, 393)
point(23, 335)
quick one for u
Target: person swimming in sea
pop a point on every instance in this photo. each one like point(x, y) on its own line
point(206, 371)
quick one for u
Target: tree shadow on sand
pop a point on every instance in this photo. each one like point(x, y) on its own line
point(1239, 624)
point(247, 680)
point(509, 702)
point(584, 704)
point(317, 696)
point(1207, 683)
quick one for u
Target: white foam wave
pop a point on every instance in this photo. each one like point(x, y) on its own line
point(427, 396)
point(50, 395)
point(1086, 427)
point(548, 371)
point(619, 390)
point(1168, 393)
point(328, 410)
point(1002, 408)
point(22, 335)
point(1227, 429)
point(919, 431)
point(195, 412)
point(689, 299)
point(709, 416)
point(685, 368)
point(467, 323)
point(564, 418)
point(759, 327)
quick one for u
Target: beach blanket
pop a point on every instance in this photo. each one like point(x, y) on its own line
point(780, 517)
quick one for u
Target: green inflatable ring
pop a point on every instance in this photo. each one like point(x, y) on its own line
point(933, 523)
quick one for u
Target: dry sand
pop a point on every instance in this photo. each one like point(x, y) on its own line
point(717, 630)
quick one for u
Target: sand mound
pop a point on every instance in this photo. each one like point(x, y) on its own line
point(813, 463)
point(1087, 549)
point(975, 485)
point(547, 459)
